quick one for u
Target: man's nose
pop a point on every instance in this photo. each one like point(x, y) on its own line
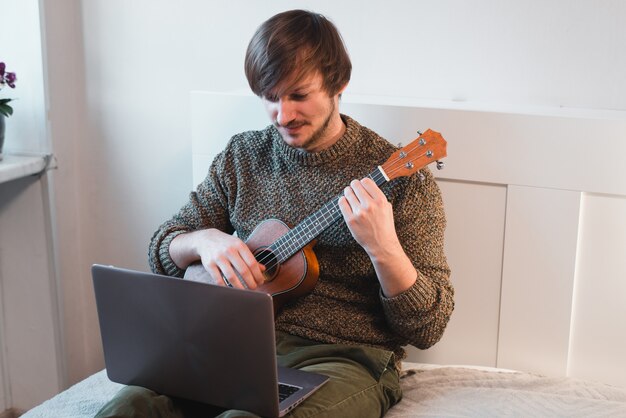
point(285, 112)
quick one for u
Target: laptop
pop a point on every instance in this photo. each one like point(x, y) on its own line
point(196, 341)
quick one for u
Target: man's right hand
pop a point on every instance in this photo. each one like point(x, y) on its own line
point(222, 255)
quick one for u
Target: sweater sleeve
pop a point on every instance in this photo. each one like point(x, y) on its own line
point(420, 314)
point(206, 208)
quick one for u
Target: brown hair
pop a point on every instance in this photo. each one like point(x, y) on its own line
point(292, 45)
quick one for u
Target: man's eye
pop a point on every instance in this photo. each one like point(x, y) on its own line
point(298, 96)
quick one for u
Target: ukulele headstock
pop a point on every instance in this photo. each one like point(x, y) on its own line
point(429, 147)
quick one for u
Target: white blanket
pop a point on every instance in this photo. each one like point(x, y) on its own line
point(82, 400)
point(428, 392)
point(464, 392)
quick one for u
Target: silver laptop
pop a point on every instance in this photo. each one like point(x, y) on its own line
point(196, 341)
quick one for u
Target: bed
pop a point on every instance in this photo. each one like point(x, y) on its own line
point(429, 391)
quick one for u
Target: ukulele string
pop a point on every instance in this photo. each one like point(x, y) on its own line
point(290, 242)
point(326, 214)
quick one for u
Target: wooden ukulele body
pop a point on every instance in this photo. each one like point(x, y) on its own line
point(290, 279)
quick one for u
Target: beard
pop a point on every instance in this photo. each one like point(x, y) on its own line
point(318, 135)
point(322, 130)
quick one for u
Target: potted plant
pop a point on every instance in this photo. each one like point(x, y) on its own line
point(6, 79)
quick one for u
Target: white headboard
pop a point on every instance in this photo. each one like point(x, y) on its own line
point(536, 207)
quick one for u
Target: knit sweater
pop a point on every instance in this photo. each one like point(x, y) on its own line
point(258, 176)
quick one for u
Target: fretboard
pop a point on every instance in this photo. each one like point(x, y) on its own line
point(313, 225)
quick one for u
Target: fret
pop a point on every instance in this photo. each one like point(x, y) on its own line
point(379, 176)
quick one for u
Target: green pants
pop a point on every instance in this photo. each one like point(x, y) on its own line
point(363, 383)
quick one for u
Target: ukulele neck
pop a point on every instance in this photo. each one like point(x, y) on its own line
point(313, 225)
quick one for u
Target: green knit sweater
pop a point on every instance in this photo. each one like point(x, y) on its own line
point(258, 177)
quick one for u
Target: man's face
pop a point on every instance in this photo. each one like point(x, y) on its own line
point(304, 114)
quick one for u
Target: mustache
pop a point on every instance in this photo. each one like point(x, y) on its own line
point(291, 124)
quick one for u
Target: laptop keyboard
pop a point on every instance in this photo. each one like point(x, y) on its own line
point(285, 391)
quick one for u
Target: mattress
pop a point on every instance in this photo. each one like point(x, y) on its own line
point(429, 391)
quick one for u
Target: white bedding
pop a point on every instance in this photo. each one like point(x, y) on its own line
point(429, 391)
point(483, 392)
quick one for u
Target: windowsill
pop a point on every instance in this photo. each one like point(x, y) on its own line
point(13, 167)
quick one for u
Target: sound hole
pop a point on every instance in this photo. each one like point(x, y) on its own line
point(266, 257)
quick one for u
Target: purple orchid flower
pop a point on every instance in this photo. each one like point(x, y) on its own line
point(10, 79)
point(6, 77)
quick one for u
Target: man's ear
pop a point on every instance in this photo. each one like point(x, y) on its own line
point(341, 90)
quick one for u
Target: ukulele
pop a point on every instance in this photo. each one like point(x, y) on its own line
point(291, 267)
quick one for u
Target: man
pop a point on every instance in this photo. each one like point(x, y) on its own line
point(383, 279)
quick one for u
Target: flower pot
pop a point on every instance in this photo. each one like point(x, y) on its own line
point(1, 134)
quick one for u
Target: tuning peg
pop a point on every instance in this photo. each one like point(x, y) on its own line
point(421, 176)
point(420, 133)
point(440, 165)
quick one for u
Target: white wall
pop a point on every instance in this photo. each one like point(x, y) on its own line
point(122, 112)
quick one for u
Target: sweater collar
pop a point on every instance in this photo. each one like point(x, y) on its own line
point(350, 137)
